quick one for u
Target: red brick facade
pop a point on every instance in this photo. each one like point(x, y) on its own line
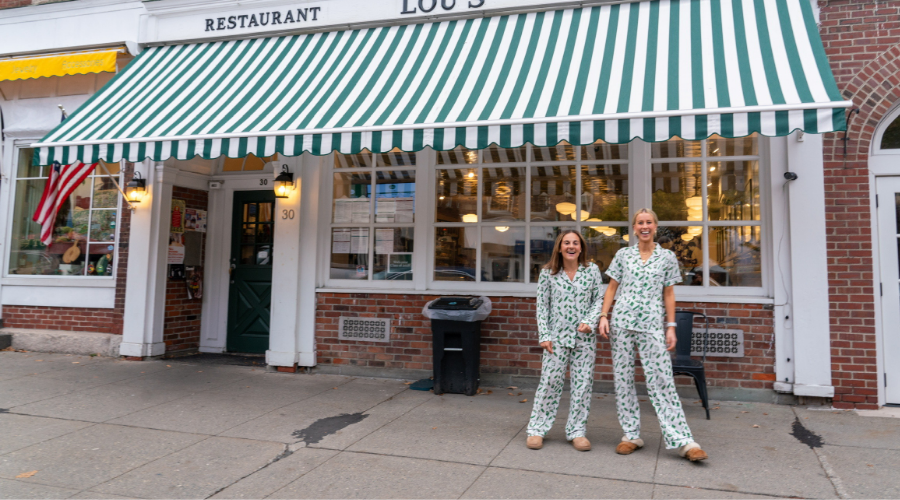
point(81, 319)
point(509, 338)
point(181, 328)
point(862, 39)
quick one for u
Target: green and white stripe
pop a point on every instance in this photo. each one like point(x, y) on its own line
point(649, 70)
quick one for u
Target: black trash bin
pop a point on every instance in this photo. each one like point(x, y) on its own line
point(456, 348)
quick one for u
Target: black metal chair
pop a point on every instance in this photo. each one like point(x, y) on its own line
point(682, 363)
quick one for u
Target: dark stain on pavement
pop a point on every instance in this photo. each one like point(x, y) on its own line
point(804, 435)
point(4, 410)
point(327, 426)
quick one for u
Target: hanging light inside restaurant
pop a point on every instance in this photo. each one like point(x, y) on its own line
point(584, 215)
point(502, 229)
point(687, 237)
point(566, 208)
point(284, 183)
point(136, 189)
point(470, 218)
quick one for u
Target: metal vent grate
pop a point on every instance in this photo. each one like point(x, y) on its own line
point(365, 329)
point(722, 343)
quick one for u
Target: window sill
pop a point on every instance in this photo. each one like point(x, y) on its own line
point(55, 281)
point(706, 299)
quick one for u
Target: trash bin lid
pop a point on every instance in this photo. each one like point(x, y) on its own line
point(457, 303)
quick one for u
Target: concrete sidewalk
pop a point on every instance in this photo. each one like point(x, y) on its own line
point(82, 427)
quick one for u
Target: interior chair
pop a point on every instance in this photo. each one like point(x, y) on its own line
point(682, 363)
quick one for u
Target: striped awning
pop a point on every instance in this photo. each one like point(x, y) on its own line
point(650, 70)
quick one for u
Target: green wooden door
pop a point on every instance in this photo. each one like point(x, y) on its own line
point(250, 293)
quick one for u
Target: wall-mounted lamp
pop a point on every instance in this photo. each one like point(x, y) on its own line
point(284, 183)
point(135, 189)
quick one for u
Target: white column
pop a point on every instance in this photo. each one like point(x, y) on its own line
point(285, 271)
point(809, 309)
point(145, 288)
point(309, 260)
point(781, 268)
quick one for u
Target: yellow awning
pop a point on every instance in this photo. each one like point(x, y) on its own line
point(73, 63)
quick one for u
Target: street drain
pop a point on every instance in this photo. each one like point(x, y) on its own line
point(327, 426)
point(804, 435)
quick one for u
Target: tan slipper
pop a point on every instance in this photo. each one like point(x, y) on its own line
point(534, 442)
point(581, 444)
point(692, 452)
point(629, 446)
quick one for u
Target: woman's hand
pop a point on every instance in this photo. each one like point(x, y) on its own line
point(603, 328)
point(585, 328)
point(671, 339)
point(548, 346)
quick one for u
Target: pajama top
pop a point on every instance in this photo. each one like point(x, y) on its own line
point(639, 298)
point(562, 304)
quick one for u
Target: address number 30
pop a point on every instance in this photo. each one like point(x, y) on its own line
point(287, 214)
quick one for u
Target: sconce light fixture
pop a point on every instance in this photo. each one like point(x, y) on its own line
point(135, 189)
point(284, 183)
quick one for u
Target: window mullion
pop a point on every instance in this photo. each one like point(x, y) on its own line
point(704, 218)
point(526, 259)
point(371, 239)
point(479, 188)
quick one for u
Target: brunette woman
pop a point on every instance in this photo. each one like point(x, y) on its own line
point(644, 277)
point(567, 307)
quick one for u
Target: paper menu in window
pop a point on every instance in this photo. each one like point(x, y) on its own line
point(384, 241)
point(404, 210)
point(360, 210)
point(385, 210)
point(340, 241)
point(342, 211)
point(359, 241)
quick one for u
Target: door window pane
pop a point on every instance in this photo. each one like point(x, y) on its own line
point(503, 254)
point(734, 254)
point(350, 253)
point(393, 254)
point(687, 243)
point(677, 193)
point(454, 253)
point(604, 191)
point(351, 197)
point(457, 195)
point(733, 190)
point(553, 193)
point(891, 137)
point(503, 194)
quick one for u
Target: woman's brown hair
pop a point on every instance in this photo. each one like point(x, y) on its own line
point(555, 263)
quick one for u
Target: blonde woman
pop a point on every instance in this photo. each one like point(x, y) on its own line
point(567, 307)
point(644, 276)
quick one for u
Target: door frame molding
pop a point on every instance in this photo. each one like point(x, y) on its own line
point(214, 320)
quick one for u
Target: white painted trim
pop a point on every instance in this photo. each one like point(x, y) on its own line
point(311, 169)
point(780, 238)
point(58, 296)
point(53, 281)
point(817, 391)
point(875, 145)
point(707, 299)
point(142, 350)
point(192, 180)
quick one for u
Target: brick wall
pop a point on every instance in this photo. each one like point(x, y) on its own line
point(82, 319)
point(861, 39)
point(509, 338)
point(181, 328)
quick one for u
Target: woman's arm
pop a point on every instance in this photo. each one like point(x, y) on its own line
point(589, 320)
point(607, 304)
point(669, 301)
point(543, 311)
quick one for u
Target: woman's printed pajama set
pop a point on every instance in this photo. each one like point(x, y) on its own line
point(563, 304)
point(637, 320)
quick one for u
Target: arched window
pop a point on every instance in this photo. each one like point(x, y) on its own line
point(891, 137)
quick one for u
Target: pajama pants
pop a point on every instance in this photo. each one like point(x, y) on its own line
point(660, 384)
point(580, 360)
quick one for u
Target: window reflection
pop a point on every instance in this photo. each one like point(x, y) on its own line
point(734, 254)
point(733, 190)
point(677, 191)
point(503, 254)
point(687, 243)
point(553, 193)
point(602, 244)
point(502, 194)
point(457, 195)
point(454, 253)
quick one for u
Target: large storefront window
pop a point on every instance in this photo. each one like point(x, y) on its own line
point(498, 211)
point(492, 215)
point(85, 232)
point(707, 196)
point(373, 212)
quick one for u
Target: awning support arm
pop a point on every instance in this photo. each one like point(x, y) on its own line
point(116, 182)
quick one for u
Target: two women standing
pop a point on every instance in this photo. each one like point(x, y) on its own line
point(644, 277)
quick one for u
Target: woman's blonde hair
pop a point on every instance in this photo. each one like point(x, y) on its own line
point(644, 211)
point(555, 263)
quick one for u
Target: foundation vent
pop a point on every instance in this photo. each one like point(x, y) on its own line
point(722, 343)
point(365, 329)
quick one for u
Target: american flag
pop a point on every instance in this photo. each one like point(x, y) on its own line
point(62, 181)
